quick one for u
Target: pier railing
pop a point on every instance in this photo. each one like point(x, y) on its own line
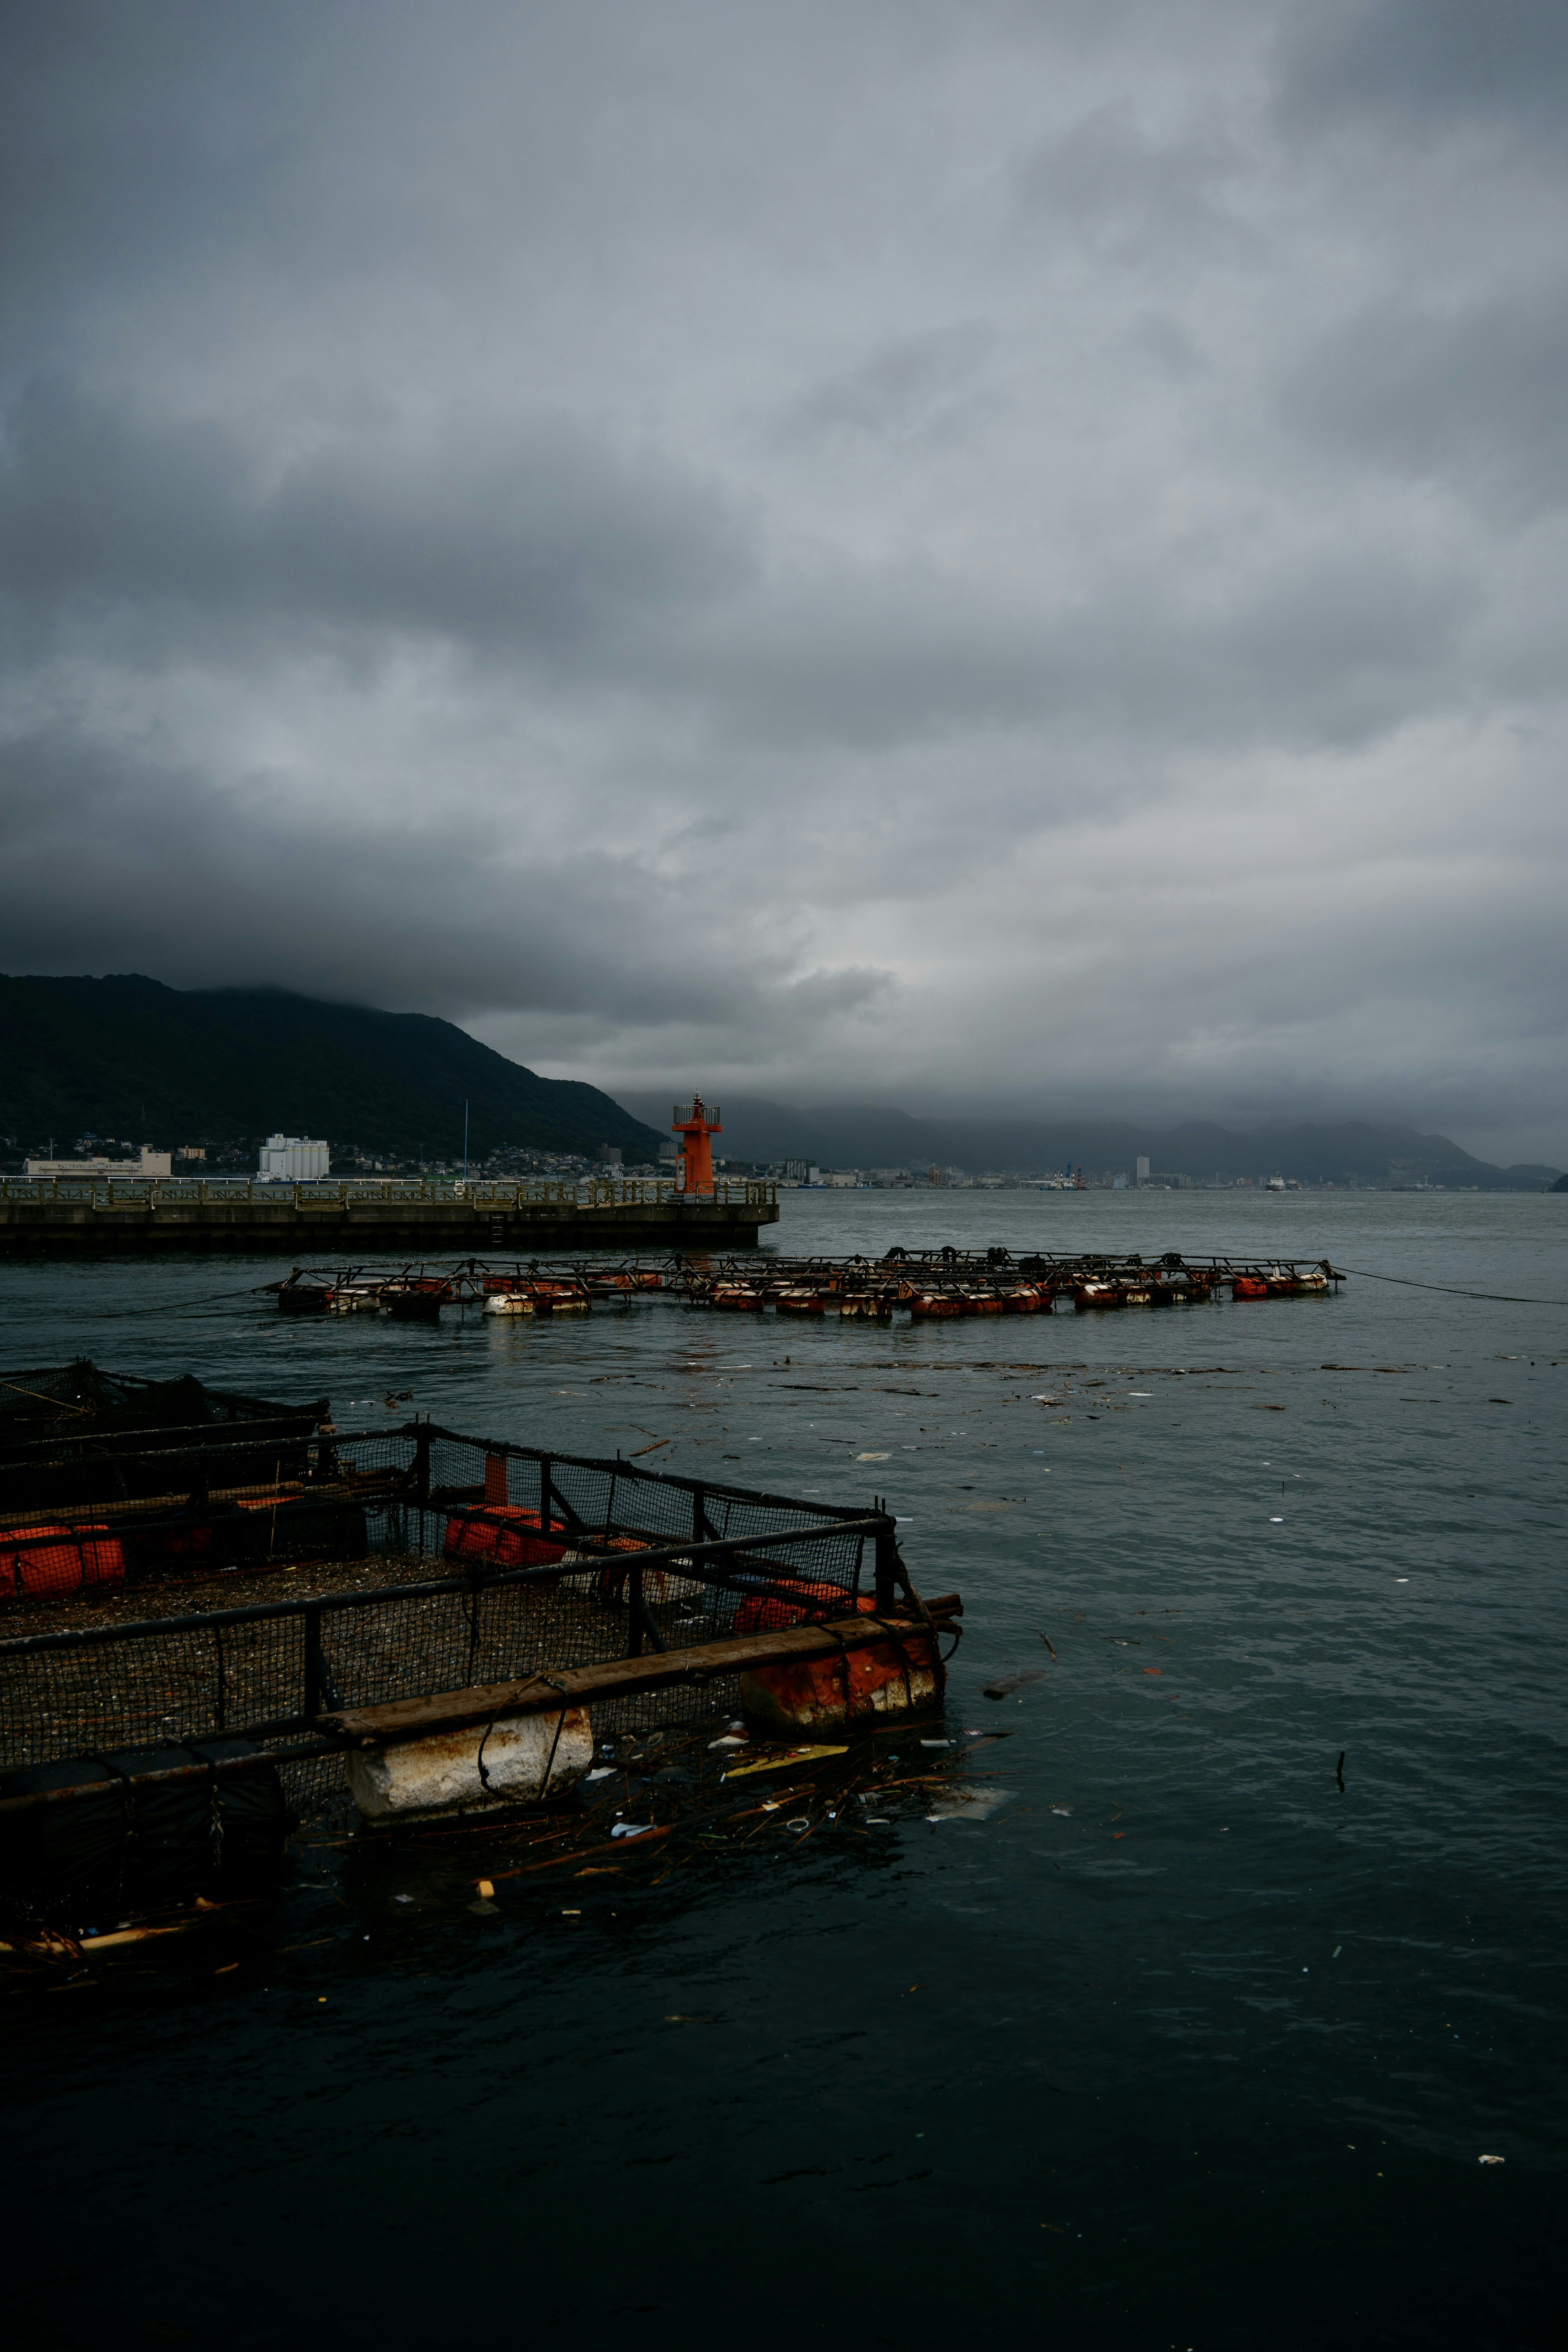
point(487, 1192)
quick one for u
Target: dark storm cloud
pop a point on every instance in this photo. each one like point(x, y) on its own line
point(538, 535)
point(541, 542)
point(1429, 64)
point(417, 918)
point(1009, 550)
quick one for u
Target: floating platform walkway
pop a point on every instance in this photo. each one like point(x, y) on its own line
point(97, 1217)
point(938, 1285)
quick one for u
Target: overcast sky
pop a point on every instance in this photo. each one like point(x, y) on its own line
point(981, 552)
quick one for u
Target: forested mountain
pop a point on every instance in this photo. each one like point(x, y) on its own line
point(126, 1057)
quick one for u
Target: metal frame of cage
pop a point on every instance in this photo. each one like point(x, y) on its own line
point(648, 1560)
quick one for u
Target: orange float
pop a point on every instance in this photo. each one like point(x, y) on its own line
point(885, 1679)
point(49, 1559)
point(506, 1536)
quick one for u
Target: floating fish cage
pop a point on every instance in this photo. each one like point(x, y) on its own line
point(499, 1613)
point(937, 1285)
point(73, 1432)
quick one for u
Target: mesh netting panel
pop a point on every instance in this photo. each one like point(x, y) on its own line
point(149, 1686)
point(419, 1497)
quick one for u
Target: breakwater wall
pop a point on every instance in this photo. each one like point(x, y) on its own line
point(65, 1217)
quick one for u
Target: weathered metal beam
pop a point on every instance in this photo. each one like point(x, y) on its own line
point(306, 1753)
point(419, 1718)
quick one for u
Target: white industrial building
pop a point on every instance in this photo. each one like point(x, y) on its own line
point(292, 1160)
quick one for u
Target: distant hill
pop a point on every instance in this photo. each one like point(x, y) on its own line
point(125, 1057)
point(873, 1136)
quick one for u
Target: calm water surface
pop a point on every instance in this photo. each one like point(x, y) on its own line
point(1182, 2046)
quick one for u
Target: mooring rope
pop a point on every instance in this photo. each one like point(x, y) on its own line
point(1503, 1297)
point(176, 1305)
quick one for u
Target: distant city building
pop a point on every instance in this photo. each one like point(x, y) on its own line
point(1119, 1182)
point(846, 1179)
point(1142, 1170)
point(610, 1153)
point(147, 1163)
point(292, 1160)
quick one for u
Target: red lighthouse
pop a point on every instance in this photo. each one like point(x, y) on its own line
point(694, 1123)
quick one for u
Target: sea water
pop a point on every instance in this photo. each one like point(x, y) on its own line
point(1185, 2043)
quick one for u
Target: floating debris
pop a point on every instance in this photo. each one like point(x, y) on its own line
point(1006, 1685)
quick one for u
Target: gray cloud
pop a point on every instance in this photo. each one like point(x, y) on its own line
point(1136, 199)
point(1005, 551)
point(1472, 397)
point(913, 388)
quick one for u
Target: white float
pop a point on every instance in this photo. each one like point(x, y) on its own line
point(441, 1774)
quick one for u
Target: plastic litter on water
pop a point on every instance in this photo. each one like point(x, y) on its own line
point(973, 1805)
point(792, 1756)
point(631, 1829)
point(1493, 2159)
point(1276, 1523)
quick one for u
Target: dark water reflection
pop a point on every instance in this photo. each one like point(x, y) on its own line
point(1183, 2045)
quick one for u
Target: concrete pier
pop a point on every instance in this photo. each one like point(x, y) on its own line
point(81, 1217)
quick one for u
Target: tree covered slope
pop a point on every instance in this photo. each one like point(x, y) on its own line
point(127, 1058)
